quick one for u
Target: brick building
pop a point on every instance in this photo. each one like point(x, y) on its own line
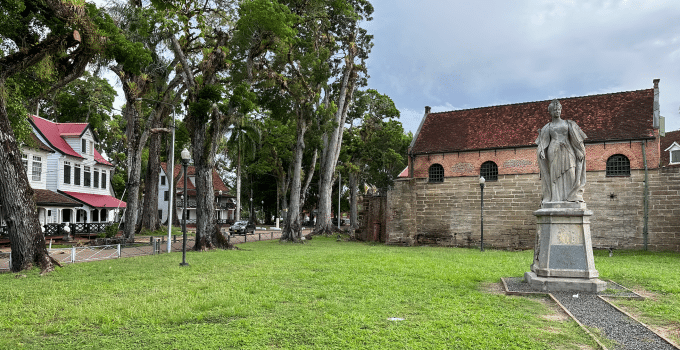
point(437, 199)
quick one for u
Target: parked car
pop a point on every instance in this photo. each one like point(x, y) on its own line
point(242, 227)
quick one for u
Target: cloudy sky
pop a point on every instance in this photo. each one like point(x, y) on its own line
point(465, 54)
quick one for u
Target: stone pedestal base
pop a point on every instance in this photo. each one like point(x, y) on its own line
point(563, 254)
point(562, 284)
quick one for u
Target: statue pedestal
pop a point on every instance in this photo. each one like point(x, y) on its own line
point(563, 254)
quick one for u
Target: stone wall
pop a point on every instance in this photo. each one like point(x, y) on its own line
point(372, 219)
point(448, 213)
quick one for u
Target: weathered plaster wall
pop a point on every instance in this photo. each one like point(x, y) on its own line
point(448, 213)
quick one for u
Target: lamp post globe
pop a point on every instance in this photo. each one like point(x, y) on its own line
point(186, 156)
point(481, 186)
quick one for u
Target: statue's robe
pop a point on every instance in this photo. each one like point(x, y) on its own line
point(566, 156)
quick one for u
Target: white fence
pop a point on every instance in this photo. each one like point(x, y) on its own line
point(155, 245)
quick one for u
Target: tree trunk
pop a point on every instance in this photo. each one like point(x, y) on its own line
point(331, 152)
point(18, 205)
point(293, 229)
point(353, 216)
point(150, 220)
point(308, 178)
point(238, 186)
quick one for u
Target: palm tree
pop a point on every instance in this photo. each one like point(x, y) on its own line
point(244, 138)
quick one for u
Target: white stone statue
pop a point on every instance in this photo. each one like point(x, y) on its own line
point(561, 158)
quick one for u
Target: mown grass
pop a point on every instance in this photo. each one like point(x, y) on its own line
point(319, 295)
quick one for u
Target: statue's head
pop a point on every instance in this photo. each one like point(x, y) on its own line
point(555, 108)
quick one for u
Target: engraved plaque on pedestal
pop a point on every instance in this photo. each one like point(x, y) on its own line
point(563, 254)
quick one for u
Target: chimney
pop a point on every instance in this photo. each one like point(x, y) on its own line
point(427, 109)
point(656, 104)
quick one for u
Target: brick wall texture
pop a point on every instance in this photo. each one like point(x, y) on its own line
point(448, 213)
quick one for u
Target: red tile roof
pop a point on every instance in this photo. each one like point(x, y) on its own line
point(54, 133)
point(47, 197)
point(607, 117)
point(96, 200)
point(667, 141)
point(218, 184)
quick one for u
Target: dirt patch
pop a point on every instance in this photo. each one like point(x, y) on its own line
point(556, 313)
point(493, 288)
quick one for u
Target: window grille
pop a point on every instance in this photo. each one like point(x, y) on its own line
point(675, 157)
point(86, 176)
point(37, 168)
point(489, 171)
point(76, 175)
point(67, 172)
point(24, 161)
point(618, 165)
point(436, 173)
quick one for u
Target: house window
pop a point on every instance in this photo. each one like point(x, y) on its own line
point(24, 161)
point(67, 172)
point(160, 214)
point(86, 176)
point(162, 180)
point(96, 178)
point(489, 171)
point(675, 157)
point(83, 146)
point(104, 179)
point(91, 147)
point(37, 168)
point(436, 173)
point(103, 215)
point(166, 195)
point(76, 175)
point(618, 165)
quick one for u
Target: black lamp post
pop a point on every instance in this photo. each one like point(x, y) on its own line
point(186, 156)
point(481, 186)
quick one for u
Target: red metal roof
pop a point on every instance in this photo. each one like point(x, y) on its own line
point(607, 117)
point(54, 133)
point(218, 184)
point(96, 200)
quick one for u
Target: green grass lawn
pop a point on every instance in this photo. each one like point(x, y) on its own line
point(319, 295)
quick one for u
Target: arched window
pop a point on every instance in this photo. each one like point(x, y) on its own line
point(436, 173)
point(618, 165)
point(489, 171)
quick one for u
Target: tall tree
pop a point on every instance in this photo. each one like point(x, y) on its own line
point(61, 38)
point(375, 147)
point(354, 44)
point(150, 96)
point(214, 69)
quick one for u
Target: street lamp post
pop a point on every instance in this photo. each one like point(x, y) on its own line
point(252, 220)
point(185, 162)
point(481, 186)
point(263, 215)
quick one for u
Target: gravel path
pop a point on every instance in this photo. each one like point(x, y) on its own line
point(592, 311)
